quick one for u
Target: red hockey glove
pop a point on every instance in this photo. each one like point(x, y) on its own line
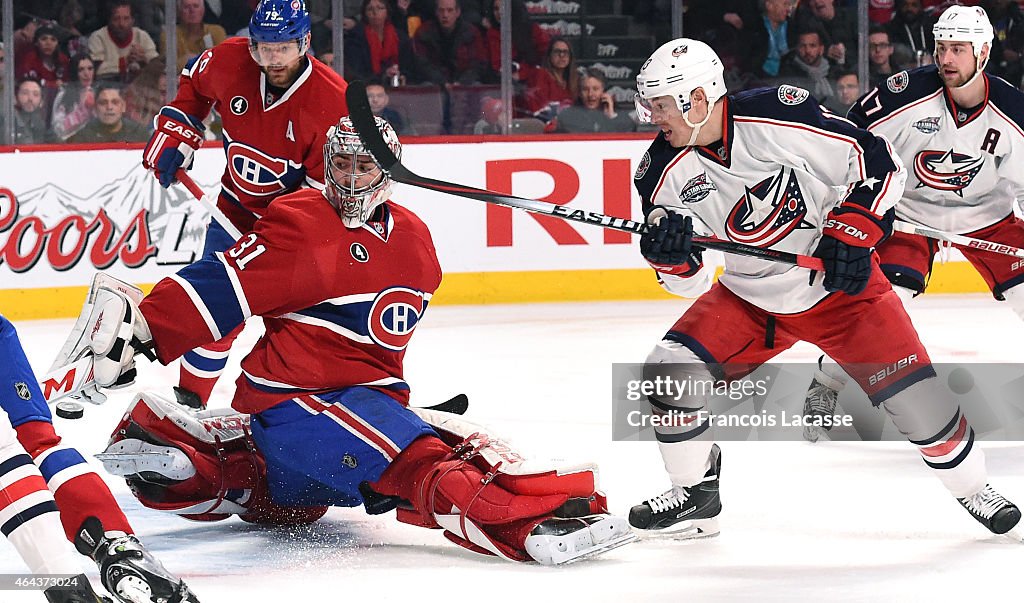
point(848, 238)
point(176, 136)
point(668, 243)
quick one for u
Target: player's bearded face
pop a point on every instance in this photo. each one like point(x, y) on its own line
point(956, 61)
point(279, 60)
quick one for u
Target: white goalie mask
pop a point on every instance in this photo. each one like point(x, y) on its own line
point(676, 69)
point(965, 24)
point(354, 183)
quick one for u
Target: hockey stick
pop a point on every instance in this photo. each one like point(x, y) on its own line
point(362, 118)
point(457, 405)
point(209, 204)
point(964, 241)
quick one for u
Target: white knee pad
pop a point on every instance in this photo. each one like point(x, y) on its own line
point(1015, 297)
point(905, 295)
point(688, 460)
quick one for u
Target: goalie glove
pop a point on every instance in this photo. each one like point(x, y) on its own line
point(176, 136)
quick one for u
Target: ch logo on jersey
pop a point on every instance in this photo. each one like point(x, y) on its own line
point(897, 83)
point(239, 105)
point(697, 188)
point(258, 174)
point(928, 125)
point(21, 388)
point(946, 170)
point(768, 212)
point(393, 316)
point(791, 95)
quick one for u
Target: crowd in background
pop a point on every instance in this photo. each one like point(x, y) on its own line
point(94, 70)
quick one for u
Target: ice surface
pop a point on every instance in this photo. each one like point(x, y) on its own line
point(828, 522)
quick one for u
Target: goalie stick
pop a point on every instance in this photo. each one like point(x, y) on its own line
point(362, 118)
point(962, 240)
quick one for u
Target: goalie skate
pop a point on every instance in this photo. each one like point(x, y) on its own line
point(994, 512)
point(127, 570)
point(559, 541)
point(131, 458)
point(683, 512)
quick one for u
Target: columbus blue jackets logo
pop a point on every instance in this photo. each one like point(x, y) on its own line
point(258, 174)
point(791, 95)
point(768, 211)
point(946, 170)
point(696, 189)
point(393, 316)
point(680, 50)
point(897, 83)
point(928, 125)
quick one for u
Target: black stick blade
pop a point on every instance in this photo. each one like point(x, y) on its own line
point(362, 118)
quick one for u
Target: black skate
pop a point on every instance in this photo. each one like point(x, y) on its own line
point(564, 540)
point(83, 593)
point(992, 510)
point(683, 512)
point(821, 400)
point(127, 570)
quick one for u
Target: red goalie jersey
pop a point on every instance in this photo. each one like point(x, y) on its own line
point(273, 140)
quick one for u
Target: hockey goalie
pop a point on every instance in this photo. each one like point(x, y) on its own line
point(319, 416)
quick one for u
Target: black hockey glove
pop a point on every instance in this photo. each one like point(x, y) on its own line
point(668, 242)
point(847, 240)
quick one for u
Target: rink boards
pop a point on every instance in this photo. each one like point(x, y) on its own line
point(66, 214)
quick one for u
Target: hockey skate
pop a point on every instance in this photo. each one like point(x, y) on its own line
point(683, 512)
point(993, 511)
point(558, 541)
point(821, 400)
point(80, 594)
point(127, 570)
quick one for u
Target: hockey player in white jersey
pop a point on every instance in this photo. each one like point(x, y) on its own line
point(960, 132)
point(765, 167)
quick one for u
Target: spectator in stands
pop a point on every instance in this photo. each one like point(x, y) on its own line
point(880, 12)
point(75, 25)
point(847, 92)
point(377, 94)
point(194, 36)
point(147, 94)
point(808, 67)
point(46, 63)
point(73, 107)
point(375, 49)
point(839, 25)
point(121, 49)
point(774, 36)
point(880, 55)
point(911, 34)
point(594, 112)
point(1008, 44)
point(234, 15)
point(449, 50)
point(29, 120)
point(556, 83)
point(109, 123)
point(410, 14)
point(529, 42)
point(490, 117)
point(25, 28)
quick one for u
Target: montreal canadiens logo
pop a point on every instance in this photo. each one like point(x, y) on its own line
point(898, 83)
point(393, 316)
point(255, 172)
point(946, 170)
point(645, 162)
point(791, 95)
point(767, 212)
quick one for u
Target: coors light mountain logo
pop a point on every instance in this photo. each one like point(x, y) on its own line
point(130, 220)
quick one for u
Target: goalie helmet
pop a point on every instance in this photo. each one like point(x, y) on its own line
point(276, 22)
point(676, 69)
point(354, 184)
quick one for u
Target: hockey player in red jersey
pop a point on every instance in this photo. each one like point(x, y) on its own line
point(275, 104)
point(341, 278)
point(767, 167)
point(962, 131)
point(29, 515)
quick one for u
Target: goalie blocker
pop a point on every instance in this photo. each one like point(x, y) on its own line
point(486, 497)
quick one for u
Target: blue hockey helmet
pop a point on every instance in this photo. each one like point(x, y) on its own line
point(276, 22)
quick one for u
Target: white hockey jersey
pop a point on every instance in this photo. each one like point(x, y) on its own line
point(770, 182)
point(965, 164)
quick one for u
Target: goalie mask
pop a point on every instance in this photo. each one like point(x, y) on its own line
point(355, 184)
